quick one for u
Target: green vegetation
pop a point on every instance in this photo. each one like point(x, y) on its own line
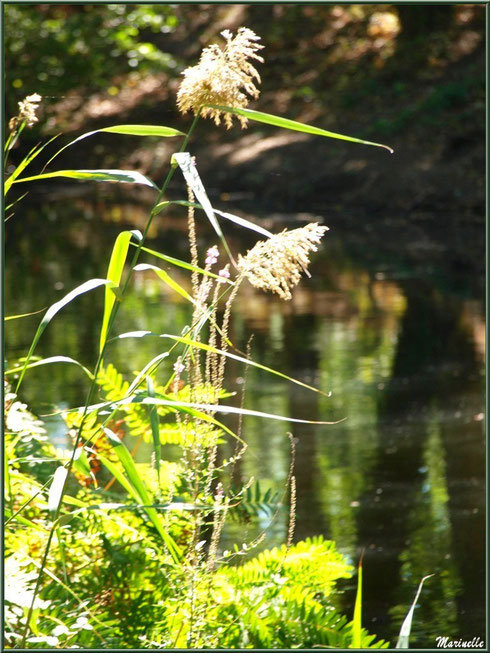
point(107, 550)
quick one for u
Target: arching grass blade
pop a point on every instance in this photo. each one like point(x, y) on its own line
point(50, 360)
point(51, 312)
point(407, 624)
point(285, 123)
point(17, 317)
point(127, 130)
point(183, 264)
point(246, 361)
point(164, 276)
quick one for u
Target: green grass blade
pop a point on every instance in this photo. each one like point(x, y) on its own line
point(196, 409)
point(48, 361)
point(183, 264)
point(128, 130)
point(219, 408)
point(246, 361)
point(189, 170)
point(142, 493)
point(56, 489)
point(51, 312)
point(165, 277)
point(244, 223)
point(155, 428)
point(141, 130)
point(407, 624)
point(114, 273)
point(121, 176)
point(285, 123)
point(357, 621)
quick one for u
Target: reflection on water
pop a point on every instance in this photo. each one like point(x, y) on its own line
point(400, 477)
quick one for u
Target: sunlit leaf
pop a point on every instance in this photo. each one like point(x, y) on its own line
point(128, 130)
point(114, 273)
point(122, 176)
point(246, 361)
point(183, 264)
point(164, 276)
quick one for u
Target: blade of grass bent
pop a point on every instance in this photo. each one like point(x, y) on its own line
point(246, 361)
point(127, 130)
point(164, 276)
point(48, 361)
point(286, 123)
point(51, 312)
point(220, 408)
point(407, 624)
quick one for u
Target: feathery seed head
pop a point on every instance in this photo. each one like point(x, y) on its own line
point(27, 111)
point(276, 264)
point(222, 77)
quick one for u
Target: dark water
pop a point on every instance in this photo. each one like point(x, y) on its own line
point(401, 478)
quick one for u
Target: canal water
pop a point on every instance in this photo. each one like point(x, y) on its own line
point(400, 477)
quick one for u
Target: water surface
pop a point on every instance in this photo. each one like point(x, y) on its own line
point(400, 476)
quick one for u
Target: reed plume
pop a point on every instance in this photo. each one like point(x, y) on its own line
point(222, 77)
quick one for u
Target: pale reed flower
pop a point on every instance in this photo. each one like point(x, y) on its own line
point(276, 264)
point(222, 77)
point(27, 111)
